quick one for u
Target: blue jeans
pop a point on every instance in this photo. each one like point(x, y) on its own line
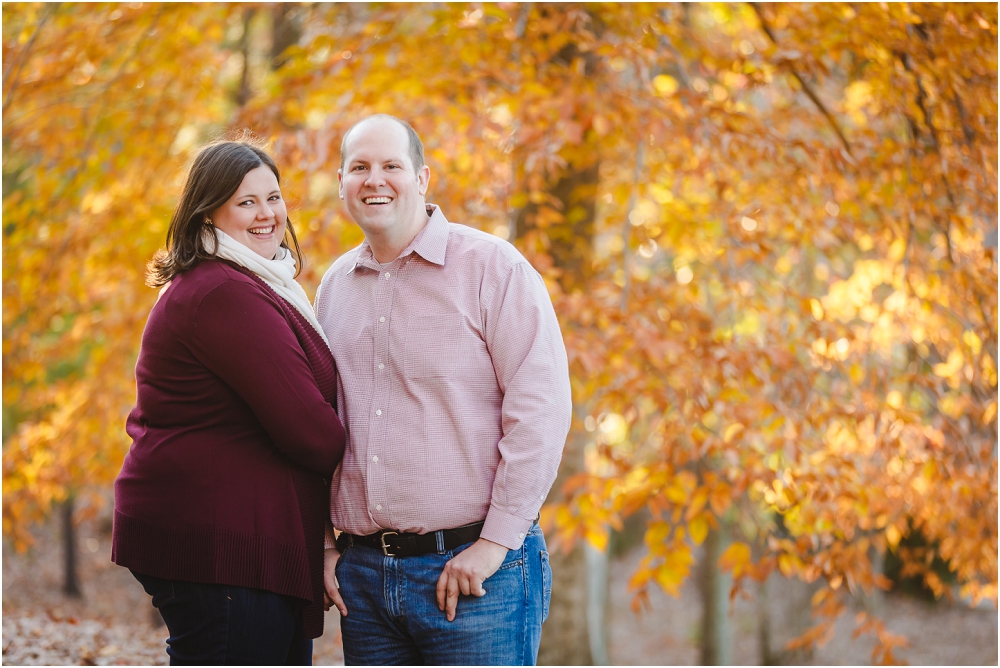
point(393, 618)
point(220, 625)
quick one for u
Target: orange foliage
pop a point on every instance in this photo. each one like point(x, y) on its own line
point(789, 313)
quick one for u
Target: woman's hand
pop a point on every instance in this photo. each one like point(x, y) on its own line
point(331, 593)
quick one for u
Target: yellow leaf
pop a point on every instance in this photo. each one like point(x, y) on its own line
point(817, 309)
point(597, 538)
point(897, 250)
point(893, 535)
point(675, 492)
point(731, 431)
point(665, 84)
point(698, 502)
point(735, 558)
point(698, 528)
point(786, 564)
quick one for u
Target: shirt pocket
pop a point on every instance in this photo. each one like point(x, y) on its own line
point(433, 346)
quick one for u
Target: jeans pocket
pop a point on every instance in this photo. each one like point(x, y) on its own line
point(513, 559)
point(546, 584)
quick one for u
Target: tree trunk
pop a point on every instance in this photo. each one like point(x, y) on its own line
point(286, 30)
point(565, 640)
point(716, 631)
point(784, 612)
point(71, 583)
point(244, 92)
point(764, 633)
point(597, 604)
point(579, 595)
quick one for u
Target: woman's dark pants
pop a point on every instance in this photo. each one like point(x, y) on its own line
point(214, 624)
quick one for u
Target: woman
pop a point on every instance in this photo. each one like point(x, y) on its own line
point(221, 502)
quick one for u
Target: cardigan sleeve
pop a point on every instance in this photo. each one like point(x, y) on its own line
point(241, 336)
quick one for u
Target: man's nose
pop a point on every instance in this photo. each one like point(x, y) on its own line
point(375, 177)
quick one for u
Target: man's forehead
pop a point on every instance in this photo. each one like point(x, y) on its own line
point(378, 136)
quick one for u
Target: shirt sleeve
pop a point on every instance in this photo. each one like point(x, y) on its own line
point(526, 345)
point(241, 336)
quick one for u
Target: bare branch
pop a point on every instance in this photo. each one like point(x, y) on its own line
point(23, 56)
point(640, 158)
point(806, 88)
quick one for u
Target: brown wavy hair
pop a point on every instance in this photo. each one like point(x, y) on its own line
point(216, 173)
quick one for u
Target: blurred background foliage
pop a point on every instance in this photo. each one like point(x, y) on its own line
point(769, 231)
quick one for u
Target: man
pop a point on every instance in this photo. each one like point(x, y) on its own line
point(454, 389)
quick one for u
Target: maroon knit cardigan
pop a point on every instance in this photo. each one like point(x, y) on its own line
point(235, 435)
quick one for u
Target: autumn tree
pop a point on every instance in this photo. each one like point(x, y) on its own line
point(769, 233)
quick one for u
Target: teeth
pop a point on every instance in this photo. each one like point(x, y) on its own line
point(377, 200)
point(262, 230)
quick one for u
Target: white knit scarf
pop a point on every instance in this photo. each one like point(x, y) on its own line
point(279, 273)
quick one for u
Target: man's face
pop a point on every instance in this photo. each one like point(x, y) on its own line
point(383, 192)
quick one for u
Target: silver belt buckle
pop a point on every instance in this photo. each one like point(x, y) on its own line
point(385, 548)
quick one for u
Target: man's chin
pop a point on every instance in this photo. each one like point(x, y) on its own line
point(374, 219)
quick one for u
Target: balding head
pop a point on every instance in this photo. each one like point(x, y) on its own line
point(416, 147)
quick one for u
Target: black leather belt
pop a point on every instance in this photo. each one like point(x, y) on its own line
point(401, 544)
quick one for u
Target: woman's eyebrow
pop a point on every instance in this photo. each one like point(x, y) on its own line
point(251, 195)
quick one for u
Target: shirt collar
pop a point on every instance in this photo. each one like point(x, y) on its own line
point(430, 243)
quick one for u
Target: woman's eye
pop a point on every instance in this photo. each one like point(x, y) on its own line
point(274, 198)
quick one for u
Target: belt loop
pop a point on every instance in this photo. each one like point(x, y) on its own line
point(439, 538)
point(350, 540)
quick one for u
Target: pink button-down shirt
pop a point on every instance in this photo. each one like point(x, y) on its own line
point(454, 385)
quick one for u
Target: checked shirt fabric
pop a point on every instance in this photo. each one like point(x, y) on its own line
point(454, 385)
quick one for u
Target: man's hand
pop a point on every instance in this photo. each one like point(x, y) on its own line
point(466, 572)
point(331, 593)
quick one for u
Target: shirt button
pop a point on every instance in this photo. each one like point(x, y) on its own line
point(382, 319)
point(375, 458)
point(387, 274)
point(520, 535)
point(378, 412)
point(381, 366)
point(378, 506)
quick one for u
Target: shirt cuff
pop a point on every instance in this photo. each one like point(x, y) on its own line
point(505, 529)
point(329, 538)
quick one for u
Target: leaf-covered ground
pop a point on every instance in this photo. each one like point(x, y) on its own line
point(113, 624)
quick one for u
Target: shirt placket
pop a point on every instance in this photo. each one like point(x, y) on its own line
point(378, 427)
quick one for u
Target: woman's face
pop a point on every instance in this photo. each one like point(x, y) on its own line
point(255, 215)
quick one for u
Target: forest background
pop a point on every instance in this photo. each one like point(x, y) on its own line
point(769, 232)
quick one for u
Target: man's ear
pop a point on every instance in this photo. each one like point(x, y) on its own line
point(423, 179)
point(340, 183)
